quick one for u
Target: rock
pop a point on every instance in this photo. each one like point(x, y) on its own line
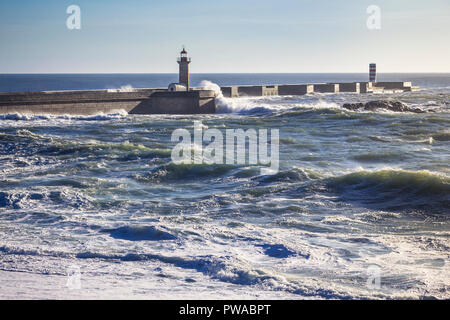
point(353, 106)
point(395, 106)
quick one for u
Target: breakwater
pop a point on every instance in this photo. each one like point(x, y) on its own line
point(301, 89)
point(138, 101)
point(162, 101)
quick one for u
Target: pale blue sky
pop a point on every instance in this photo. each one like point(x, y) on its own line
point(137, 36)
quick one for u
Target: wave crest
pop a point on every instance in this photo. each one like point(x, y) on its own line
point(395, 189)
point(172, 171)
point(141, 233)
point(119, 114)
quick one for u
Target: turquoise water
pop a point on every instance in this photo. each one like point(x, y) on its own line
point(355, 190)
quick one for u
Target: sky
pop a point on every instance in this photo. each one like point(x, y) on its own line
point(229, 36)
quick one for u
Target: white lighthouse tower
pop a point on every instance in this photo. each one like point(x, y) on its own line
point(183, 81)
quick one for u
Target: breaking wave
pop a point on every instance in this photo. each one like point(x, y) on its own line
point(442, 136)
point(25, 141)
point(127, 88)
point(226, 269)
point(181, 172)
point(97, 117)
point(291, 175)
point(394, 189)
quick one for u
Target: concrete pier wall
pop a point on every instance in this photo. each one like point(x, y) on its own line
point(88, 108)
point(270, 90)
point(326, 88)
point(295, 89)
point(394, 85)
point(230, 92)
point(191, 102)
point(349, 87)
point(71, 102)
point(301, 89)
point(140, 101)
point(366, 87)
point(250, 91)
point(254, 91)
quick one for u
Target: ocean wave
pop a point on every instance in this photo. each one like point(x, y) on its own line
point(442, 136)
point(33, 199)
point(23, 117)
point(291, 175)
point(231, 270)
point(223, 268)
point(25, 141)
point(99, 148)
point(140, 233)
point(125, 88)
point(435, 119)
point(262, 105)
point(378, 156)
point(279, 108)
point(395, 189)
point(246, 106)
point(288, 106)
point(119, 114)
point(180, 172)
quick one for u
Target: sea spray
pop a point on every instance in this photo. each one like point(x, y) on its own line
point(264, 105)
point(223, 104)
point(126, 88)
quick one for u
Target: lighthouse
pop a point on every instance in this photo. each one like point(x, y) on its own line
point(184, 62)
point(373, 72)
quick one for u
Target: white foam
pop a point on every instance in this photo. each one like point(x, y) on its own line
point(127, 88)
point(115, 114)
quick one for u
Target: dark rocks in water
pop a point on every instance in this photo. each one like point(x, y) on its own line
point(395, 106)
point(354, 106)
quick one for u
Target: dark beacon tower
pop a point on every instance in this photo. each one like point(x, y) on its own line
point(372, 72)
point(184, 62)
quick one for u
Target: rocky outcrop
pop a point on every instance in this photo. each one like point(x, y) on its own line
point(395, 106)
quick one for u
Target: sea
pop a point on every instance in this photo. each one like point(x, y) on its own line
point(94, 207)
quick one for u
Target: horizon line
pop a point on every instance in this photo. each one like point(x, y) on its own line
point(175, 73)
